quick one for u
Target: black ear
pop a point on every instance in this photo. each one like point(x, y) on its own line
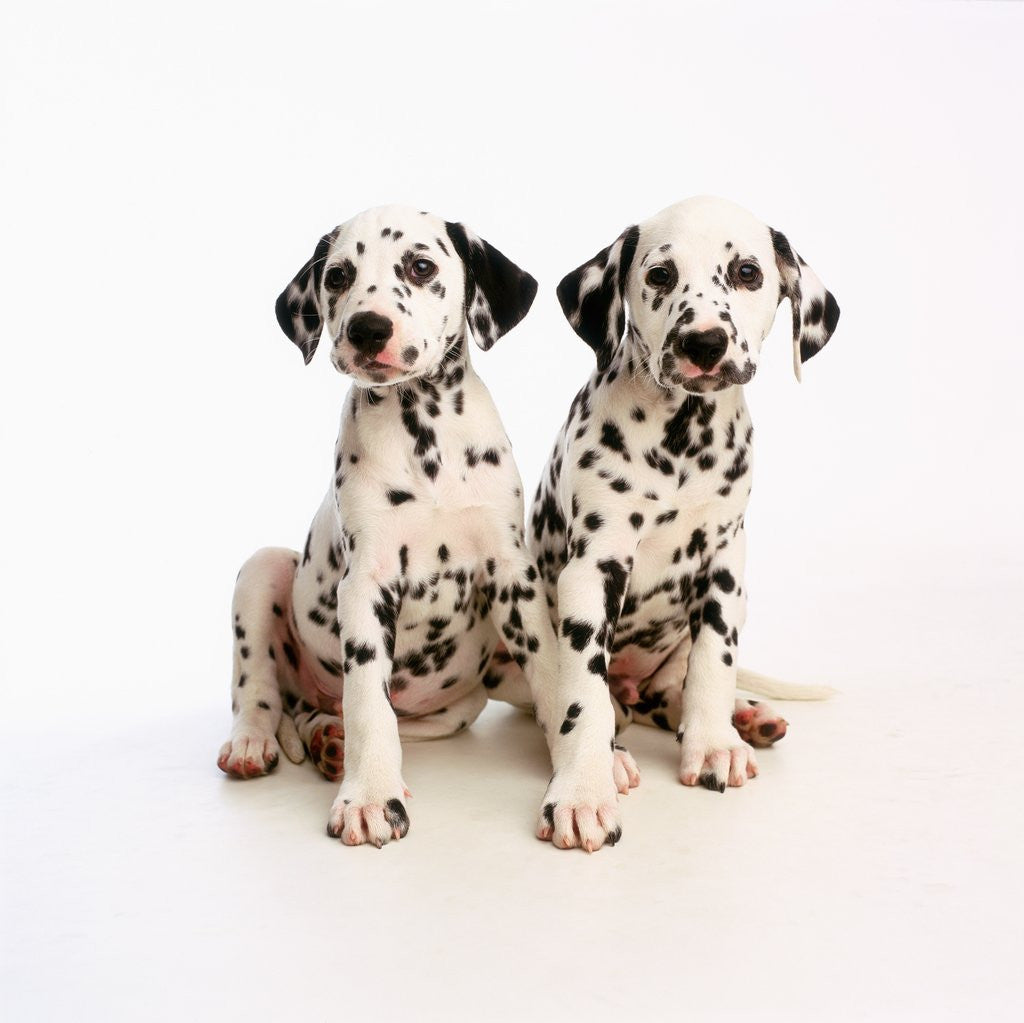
point(298, 306)
point(592, 296)
point(498, 293)
point(815, 309)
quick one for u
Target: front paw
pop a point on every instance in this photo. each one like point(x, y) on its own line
point(715, 758)
point(580, 809)
point(249, 753)
point(373, 813)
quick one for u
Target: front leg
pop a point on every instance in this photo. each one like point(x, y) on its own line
point(581, 803)
point(369, 806)
point(713, 754)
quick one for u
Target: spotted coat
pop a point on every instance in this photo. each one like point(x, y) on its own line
point(638, 522)
point(415, 567)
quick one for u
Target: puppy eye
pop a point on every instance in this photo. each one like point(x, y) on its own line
point(335, 279)
point(749, 273)
point(422, 269)
point(658, 276)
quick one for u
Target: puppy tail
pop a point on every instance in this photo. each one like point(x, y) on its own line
point(288, 737)
point(762, 685)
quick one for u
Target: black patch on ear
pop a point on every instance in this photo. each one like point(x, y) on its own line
point(815, 309)
point(831, 313)
point(784, 255)
point(298, 306)
point(827, 314)
point(599, 316)
point(506, 290)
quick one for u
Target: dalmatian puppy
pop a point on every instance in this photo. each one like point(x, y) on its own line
point(416, 564)
point(637, 524)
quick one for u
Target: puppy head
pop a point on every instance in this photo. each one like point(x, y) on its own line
point(395, 289)
point(702, 280)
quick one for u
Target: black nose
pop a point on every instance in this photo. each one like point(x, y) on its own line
point(369, 332)
point(703, 347)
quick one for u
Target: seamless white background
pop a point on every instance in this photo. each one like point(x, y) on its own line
point(167, 168)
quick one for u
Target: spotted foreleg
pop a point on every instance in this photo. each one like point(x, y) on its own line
point(712, 752)
point(369, 806)
point(580, 806)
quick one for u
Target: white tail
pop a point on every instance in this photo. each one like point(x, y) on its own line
point(762, 685)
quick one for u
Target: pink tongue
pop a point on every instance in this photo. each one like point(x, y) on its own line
point(690, 371)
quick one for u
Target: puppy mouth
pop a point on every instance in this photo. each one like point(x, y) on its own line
point(700, 381)
point(375, 368)
point(691, 371)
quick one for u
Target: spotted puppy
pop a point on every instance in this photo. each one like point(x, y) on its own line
point(638, 522)
point(416, 563)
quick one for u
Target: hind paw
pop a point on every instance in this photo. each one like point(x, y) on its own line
point(327, 750)
point(760, 724)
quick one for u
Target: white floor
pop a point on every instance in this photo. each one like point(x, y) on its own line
point(872, 871)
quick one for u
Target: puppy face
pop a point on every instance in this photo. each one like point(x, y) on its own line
point(391, 288)
point(702, 293)
point(701, 281)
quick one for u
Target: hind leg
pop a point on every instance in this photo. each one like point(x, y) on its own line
point(262, 595)
point(660, 699)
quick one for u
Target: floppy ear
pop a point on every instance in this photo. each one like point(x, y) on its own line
point(815, 309)
point(298, 306)
point(498, 293)
point(592, 296)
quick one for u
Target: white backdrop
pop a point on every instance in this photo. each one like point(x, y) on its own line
point(168, 167)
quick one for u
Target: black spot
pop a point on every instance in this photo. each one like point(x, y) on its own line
point(614, 588)
point(712, 615)
point(400, 496)
point(723, 580)
point(396, 816)
point(611, 438)
point(573, 712)
point(579, 633)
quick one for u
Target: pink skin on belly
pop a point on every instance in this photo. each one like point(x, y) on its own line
point(628, 672)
